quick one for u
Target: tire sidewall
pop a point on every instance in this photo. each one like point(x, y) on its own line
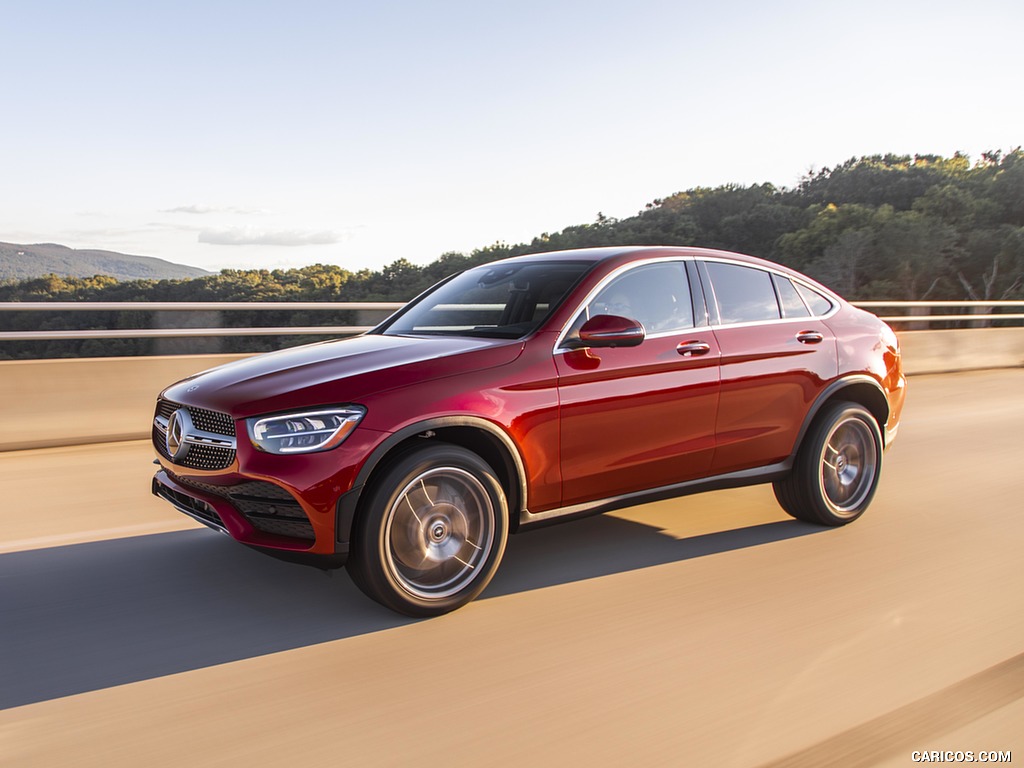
point(811, 468)
point(369, 564)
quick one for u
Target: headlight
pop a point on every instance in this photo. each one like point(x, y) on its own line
point(304, 432)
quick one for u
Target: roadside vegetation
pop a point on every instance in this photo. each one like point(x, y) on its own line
point(882, 227)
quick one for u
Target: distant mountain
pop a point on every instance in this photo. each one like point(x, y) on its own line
point(23, 262)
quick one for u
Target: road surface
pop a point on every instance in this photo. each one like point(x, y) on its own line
point(707, 631)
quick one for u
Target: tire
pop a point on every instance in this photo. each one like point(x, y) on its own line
point(432, 533)
point(837, 467)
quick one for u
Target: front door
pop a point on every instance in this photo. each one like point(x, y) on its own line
point(639, 417)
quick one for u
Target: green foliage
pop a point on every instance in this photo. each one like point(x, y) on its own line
point(879, 227)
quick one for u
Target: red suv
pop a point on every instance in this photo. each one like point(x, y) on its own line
point(531, 390)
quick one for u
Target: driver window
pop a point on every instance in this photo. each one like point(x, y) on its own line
point(658, 295)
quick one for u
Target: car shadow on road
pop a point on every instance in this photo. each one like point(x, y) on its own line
point(90, 616)
point(604, 545)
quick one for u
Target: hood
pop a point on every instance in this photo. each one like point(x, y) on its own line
point(336, 372)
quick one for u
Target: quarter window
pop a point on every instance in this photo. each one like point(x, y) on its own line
point(818, 303)
point(744, 294)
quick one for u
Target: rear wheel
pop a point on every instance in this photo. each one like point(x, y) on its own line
point(837, 467)
point(432, 533)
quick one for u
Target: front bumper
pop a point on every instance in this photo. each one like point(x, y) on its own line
point(254, 512)
point(279, 503)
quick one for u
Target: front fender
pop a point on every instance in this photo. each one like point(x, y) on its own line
point(348, 503)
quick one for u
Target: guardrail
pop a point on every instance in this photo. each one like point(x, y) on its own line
point(191, 306)
point(919, 313)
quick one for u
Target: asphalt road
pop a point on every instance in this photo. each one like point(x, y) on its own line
point(708, 631)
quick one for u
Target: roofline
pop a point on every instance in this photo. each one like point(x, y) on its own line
point(611, 252)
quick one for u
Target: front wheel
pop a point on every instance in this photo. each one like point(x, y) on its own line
point(432, 533)
point(837, 467)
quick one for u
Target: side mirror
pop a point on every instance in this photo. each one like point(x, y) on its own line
point(609, 331)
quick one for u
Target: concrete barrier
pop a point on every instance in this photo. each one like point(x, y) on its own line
point(46, 403)
point(964, 349)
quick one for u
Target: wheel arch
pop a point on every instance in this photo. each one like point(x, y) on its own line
point(482, 437)
point(860, 389)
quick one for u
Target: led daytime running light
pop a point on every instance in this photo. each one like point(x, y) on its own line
point(305, 431)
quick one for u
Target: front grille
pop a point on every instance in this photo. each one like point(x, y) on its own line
point(165, 408)
point(212, 421)
point(268, 507)
point(207, 457)
point(195, 507)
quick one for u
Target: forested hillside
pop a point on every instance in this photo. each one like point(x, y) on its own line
point(880, 227)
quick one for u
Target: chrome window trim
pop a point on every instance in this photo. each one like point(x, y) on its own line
point(755, 323)
point(775, 268)
point(831, 296)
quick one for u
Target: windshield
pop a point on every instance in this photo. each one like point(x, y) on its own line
point(502, 301)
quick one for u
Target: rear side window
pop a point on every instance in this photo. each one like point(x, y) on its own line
point(789, 298)
point(819, 304)
point(744, 294)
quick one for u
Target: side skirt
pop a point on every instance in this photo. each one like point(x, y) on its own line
point(767, 474)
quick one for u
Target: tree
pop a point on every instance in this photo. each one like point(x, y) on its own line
point(879, 227)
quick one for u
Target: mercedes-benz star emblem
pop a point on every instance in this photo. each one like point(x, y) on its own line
point(179, 425)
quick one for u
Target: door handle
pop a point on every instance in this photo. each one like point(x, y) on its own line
point(691, 348)
point(809, 337)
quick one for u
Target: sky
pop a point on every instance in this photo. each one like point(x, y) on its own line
point(225, 134)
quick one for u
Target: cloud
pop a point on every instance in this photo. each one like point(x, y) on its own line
point(204, 209)
point(249, 236)
point(141, 232)
point(190, 209)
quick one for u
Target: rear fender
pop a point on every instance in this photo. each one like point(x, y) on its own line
point(860, 389)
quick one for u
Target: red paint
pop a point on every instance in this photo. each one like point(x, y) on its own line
point(584, 424)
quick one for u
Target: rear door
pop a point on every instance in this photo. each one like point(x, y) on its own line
point(775, 359)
